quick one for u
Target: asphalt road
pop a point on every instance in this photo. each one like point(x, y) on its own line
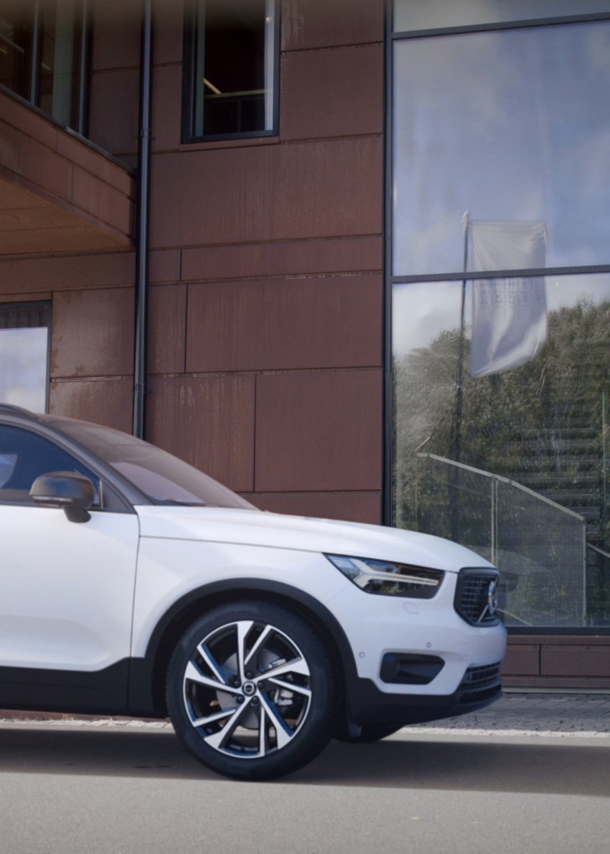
point(87, 790)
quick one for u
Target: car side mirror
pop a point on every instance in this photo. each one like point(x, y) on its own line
point(65, 489)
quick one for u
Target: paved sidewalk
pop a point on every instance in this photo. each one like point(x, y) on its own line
point(563, 713)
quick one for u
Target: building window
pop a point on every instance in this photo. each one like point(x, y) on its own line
point(501, 298)
point(230, 68)
point(24, 354)
point(44, 56)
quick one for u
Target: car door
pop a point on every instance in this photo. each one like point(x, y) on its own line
point(66, 588)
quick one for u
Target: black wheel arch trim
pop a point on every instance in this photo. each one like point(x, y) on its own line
point(144, 696)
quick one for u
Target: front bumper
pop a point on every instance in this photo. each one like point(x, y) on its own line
point(366, 704)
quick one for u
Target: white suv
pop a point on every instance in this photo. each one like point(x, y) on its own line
point(133, 584)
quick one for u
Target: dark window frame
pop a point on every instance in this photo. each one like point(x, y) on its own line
point(45, 308)
point(82, 66)
point(189, 92)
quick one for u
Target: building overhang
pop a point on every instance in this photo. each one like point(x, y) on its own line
point(58, 192)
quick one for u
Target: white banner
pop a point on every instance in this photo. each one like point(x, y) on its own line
point(509, 324)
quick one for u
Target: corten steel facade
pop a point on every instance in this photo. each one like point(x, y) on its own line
point(266, 273)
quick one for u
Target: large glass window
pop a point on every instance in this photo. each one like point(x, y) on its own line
point(230, 86)
point(24, 354)
point(413, 15)
point(501, 169)
point(502, 443)
point(507, 125)
point(44, 56)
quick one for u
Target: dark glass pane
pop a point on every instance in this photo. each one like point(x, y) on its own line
point(60, 39)
point(15, 45)
point(436, 14)
point(24, 456)
point(516, 467)
point(233, 66)
point(512, 126)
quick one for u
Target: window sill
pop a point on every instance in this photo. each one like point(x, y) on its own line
point(241, 142)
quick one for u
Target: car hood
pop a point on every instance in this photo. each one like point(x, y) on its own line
point(274, 530)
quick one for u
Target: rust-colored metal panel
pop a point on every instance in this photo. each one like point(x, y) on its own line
point(116, 34)
point(586, 660)
point(87, 158)
point(166, 329)
point(107, 402)
point(24, 157)
point(14, 197)
point(347, 255)
point(285, 323)
point(274, 192)
point(28, 121)
point(92, 334)
point(522, 660)
point(165, 265)
point(75, 238)
point(38, 218)
point(332, 92)
point(84, 271)
point(78, 199)
point(169, 28)
point(318, 431)
point(349, 506)
point(207, 421)
point(103, 201)
point(561, 640)
point(167, 98)
point(322, 23)
point(115, 99)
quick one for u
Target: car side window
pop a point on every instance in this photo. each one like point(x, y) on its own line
point(24, 456)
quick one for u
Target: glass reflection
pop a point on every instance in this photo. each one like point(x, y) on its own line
point(23, 367)
point(511, 461)
point(15, 38)
point(433, 14)
point(511, 126)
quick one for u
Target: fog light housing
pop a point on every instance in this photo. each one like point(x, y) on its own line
point(405, 668)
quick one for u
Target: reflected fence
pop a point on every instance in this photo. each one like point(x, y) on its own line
point(539, 546)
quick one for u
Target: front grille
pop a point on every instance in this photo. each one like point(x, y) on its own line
point(472, 596)
point(480, 683)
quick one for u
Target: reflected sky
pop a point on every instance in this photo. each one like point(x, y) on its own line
point(510, 125)
point(432, 14)
point(23, 367)
point(423, 310)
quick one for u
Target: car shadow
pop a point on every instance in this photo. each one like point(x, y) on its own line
point(465, 765)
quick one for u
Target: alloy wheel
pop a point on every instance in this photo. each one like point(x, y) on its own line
point(247, 689)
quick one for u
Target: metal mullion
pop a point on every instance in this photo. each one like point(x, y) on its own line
point(387, 494)
point(83, 71)
point(501, 274)
point(34, 71)
point(502, 25)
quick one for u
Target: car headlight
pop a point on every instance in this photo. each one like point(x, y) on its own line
point(388, 578)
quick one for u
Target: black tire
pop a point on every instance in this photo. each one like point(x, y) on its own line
point(369, 733)
point(237, 712)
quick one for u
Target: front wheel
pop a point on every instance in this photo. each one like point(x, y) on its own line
point(250, 691)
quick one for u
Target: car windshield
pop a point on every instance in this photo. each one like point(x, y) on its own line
point(163, 478)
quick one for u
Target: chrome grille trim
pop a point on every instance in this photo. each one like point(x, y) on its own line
point(471, 596)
